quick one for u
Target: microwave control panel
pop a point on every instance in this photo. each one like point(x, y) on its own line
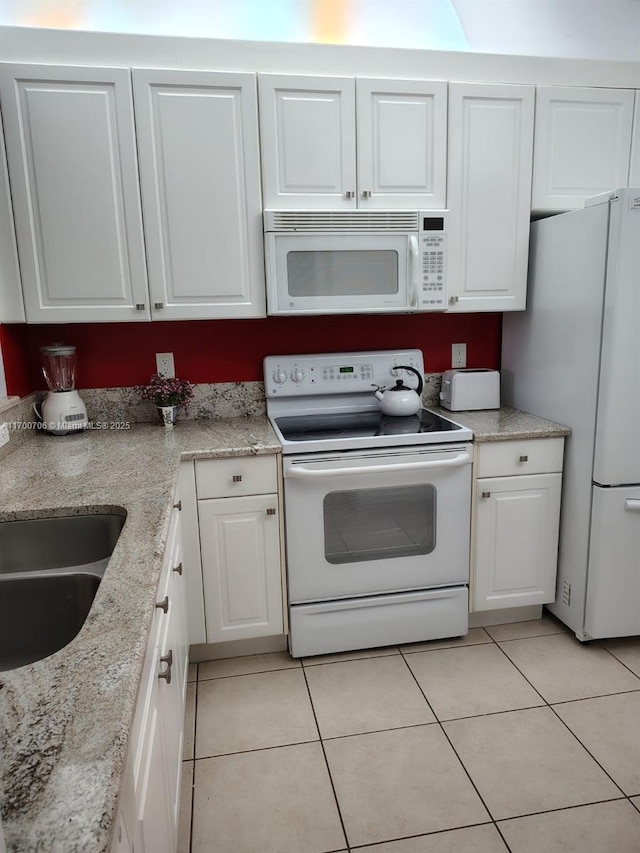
point(432, 272)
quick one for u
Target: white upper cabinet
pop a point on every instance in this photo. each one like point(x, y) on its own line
point(11, 305)
point(402, 143)
point(489, 195)
point(340, 143)
point(308, 133)
point(71, 153)
point(582, 144)
point(200, 179)
point(634, 166)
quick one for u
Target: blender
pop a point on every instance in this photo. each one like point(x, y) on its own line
point(62, 409)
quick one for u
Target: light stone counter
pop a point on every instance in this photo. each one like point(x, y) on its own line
point(64, 721)
point(505, 424)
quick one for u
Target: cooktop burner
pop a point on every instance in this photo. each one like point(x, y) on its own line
point(360, 425)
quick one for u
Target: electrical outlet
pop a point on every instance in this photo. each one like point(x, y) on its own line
point(458, 355)
point(164, 364)
point(4, 434)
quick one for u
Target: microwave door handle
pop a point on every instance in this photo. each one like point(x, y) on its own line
point(632, 505)
point(454, 462)
point(413, 271)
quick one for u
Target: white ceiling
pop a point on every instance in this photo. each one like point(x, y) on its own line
point(574, 29)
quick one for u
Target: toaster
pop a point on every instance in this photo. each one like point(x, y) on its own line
point(470, 388)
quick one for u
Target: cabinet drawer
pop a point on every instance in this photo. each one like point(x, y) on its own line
point(512, 458)
point(237, 476)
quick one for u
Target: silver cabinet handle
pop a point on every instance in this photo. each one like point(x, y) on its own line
point(237, 478)
point(632, 505)
point(178, 506)
point(453, 300)
point(168, 659)
point(164, 604)
point(366, 193)
point(523, 459)
point(349, 194)
point(158, 305)
point(271, 511)
point(140, 306)
point(178, 569)
point(486, 494)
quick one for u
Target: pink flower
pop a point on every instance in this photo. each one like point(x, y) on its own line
point(167, 391)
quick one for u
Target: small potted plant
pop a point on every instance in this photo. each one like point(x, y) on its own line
point(169, 394)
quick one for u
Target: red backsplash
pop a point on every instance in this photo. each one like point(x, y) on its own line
point(123, 354)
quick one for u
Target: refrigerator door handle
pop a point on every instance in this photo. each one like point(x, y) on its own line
point(632, 505)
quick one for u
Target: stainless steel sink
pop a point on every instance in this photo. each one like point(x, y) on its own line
point(50, 571)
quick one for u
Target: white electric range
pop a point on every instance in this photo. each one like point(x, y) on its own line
point(377, 508)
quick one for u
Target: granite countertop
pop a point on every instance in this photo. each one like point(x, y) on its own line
point(65, 720)
point(505, 424)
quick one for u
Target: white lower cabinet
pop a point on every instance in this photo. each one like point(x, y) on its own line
point(147, 819)
point(517, 514)
point(238, 514)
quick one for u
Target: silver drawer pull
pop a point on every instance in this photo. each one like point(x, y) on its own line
point(349, 194)
point(632, 505)
point(168, 659)
point(178, 506)
point(366, 193)
point(164, 604)
point(178, 569)
point(453, 300)
point(237, 478)
point(524, 459)
point(486, 494)
point(158, 306)
point(271, 511)
point(140, 306)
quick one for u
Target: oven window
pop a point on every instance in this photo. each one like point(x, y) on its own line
point(343, 272)
point(379, 524)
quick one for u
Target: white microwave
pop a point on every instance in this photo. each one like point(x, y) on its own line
point(355, 262)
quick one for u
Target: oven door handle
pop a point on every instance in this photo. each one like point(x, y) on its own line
point(453, 462)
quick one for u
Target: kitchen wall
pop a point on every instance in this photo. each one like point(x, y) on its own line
point(123, 354)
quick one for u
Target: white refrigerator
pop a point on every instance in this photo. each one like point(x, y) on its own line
point(574, 357)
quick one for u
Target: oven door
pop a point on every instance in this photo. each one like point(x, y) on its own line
point(368, 522)
point(341, 273)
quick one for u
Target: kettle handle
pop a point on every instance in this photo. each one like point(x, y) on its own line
point(37, 409)
point(413, 370)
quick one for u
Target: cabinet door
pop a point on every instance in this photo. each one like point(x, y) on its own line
point(582, 144)
point(11, 304)
point(308, 138)
point(72, 164)
point(200, 179)
point(516, 546)
point(240, 543)
point(402, 143)
point(634, 165)
point(489, 192)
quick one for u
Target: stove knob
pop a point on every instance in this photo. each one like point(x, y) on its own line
point(297, 374)
point(279, 376)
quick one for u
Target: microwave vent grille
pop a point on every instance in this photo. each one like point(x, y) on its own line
point(341, 220)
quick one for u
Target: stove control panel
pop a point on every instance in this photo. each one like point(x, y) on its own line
point(338, 373)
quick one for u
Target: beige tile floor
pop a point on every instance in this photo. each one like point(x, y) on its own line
point(515, 738)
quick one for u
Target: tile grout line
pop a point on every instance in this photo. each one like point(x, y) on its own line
point(455, 752)
point(326, 761)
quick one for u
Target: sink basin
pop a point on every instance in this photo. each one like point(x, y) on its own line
point(46, 544)
point(50, 571)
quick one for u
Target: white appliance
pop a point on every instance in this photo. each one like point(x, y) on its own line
point(62, 410)
point(470, 389)
point(377, 507)
point(574, 357)
point(340, 262)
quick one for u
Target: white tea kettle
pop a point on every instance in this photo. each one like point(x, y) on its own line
point(401, 400)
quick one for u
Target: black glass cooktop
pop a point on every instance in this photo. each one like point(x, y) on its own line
point(360, 425)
